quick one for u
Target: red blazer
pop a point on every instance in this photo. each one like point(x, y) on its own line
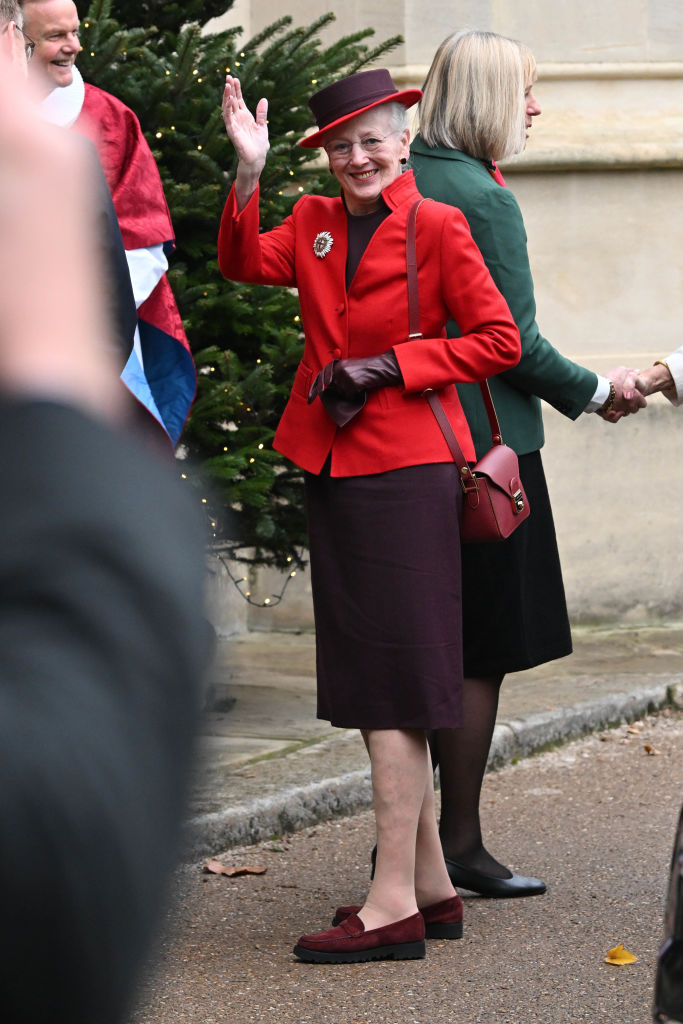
point(396, 427)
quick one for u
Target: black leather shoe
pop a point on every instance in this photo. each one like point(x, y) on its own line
point(489, 885)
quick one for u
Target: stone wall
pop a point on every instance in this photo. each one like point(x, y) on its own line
point(580, 31)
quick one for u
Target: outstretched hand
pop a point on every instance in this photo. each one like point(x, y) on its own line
point(654, 378)
point(628, 399)
point(248, 134)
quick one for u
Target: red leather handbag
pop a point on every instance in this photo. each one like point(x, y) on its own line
point(494, 503)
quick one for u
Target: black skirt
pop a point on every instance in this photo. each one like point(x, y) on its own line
point(385, 571)
point(514, 608)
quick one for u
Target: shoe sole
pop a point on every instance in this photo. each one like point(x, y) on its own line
point(402, 951)
point(438, 930)
point(443, 930)
point(497, 893)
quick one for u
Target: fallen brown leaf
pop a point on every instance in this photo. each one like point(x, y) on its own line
point(214, 867)
point(651, 751)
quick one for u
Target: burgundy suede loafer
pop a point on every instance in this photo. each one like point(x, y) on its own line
point(349, 943)
point(442, 920)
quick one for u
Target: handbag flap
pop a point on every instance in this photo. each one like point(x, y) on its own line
point(501, 466)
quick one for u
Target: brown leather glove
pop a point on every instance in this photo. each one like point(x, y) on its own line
point(342, 384)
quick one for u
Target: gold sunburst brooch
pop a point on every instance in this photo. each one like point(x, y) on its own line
point(323, 243)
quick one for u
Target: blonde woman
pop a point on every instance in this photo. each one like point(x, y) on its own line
point(478, 107)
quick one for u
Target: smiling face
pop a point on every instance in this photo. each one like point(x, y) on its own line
point(53, 25)
point(363, 175)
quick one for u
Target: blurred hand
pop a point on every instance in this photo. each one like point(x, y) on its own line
point(54, 337)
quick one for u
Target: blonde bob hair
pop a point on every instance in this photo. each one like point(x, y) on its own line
point(473, 96)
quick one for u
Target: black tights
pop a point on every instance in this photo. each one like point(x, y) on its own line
point(461, 755)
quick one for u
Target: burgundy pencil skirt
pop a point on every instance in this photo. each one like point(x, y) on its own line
point(385, 570)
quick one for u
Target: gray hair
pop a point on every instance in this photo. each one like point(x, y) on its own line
point(10, 10)
point(399, 116)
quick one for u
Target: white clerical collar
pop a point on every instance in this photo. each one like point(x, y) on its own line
point(63, 105)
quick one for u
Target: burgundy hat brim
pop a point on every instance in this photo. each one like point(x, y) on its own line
point(408, 97)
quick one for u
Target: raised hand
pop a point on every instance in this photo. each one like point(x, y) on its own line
point(248, 134)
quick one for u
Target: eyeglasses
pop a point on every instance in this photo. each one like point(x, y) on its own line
point(370, 145)
point(29, 45)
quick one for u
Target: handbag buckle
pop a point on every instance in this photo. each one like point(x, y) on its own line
point(518, 501)
point(468, 482)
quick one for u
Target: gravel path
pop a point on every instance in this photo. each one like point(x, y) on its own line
point(595, 819)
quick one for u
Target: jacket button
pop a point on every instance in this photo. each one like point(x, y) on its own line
point(335, 353)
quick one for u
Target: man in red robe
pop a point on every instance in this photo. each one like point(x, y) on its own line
point(160, 372)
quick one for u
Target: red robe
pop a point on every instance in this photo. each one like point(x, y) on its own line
point(145, 221)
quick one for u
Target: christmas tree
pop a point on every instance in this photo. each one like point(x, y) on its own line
point(246, 340)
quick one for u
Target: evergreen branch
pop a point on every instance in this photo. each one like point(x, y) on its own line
point(270, 30)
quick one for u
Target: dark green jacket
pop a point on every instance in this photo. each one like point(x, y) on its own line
point(495, 221)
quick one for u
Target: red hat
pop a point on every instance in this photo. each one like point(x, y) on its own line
point(342, 100)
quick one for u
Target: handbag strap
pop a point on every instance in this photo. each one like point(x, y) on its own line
point(411, 267)
point(414, 333)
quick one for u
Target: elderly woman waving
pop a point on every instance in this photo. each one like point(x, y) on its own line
point(382, 491)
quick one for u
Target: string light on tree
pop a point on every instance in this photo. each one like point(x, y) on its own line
point(268, 602)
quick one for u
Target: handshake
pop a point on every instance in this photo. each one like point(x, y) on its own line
point(629, 387)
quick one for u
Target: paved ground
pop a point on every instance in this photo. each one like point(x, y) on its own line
point(594, 818)
point(268, 766)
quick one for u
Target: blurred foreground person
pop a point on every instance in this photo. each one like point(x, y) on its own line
point(100, 608)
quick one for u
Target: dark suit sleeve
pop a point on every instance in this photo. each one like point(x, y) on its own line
point(119, 300)
point(498, 229)
point(103, 649)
